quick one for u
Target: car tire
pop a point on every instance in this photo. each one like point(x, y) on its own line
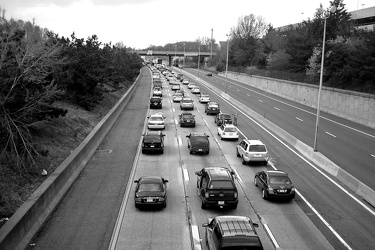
point(238, 154)
point(234, 206)
point(207, 152)
point(243, 161)
point(203, 205)
point(191, 152)
point(255, 181)
point(162, 151)
point(143, 151)
point(264, 195)
point(165, 205)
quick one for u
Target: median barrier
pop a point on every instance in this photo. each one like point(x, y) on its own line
point(316, 157)
point(29, 218)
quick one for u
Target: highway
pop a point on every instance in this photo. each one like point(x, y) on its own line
point(99, 213)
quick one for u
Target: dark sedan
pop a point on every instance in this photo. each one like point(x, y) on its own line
point(151, 191)
point(187, 119)
point(212, 108)
point(275, 184)
point(153, 141)
point(198, 143)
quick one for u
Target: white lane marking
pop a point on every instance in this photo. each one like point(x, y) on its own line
point(312, 113)
point(205, 122)
point(238, 90)
point(237, 174)
point(197, 109)
point(299, 119)
point(373, 155)
point(197, 240)
point(175, 121)
point(330, 134)
point(260, 100)
point(186, 174)
point(179, 140)
point(276, 108)
point(230, 86)
point(272, 237)
point(247, 94)
point(217, 142)
point(173, 110)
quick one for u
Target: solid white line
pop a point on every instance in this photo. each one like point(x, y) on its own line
point(373, 155)
point(299, 119)
point(205, 122)
point(276, 108)
point(186, 174)
point(237, 174)
point(271, 235)
point(175, 121)
point(330, 134)
point(197, 109)
point(179, 140)
point(173, 110)
point(260, 100)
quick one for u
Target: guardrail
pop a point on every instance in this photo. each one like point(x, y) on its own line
point(29, 218)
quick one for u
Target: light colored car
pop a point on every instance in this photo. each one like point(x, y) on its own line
point(187, 103)
point(177, 97)
point(196, 90)
point(227, 131)
point(157, 91)
point(203, 98)
point(176, 87)
point(191, 85)
point(252, 151)
point(156, 121)
point(185, 82)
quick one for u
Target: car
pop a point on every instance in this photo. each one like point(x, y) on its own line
point(187, 103)
point(151, 191)
point(185, 82)
point(153, 141)
point(176, 87)
point(198, 143)
point(157, 91)
point(191, 85)
point(227, 131)
point(212, 108)
point(216, 187)
point(252, 151)
point(196, 90)
point(187, 119)
point(158, 83)
point(223, 118)
point(182, 91)
point(208, 74)
point(232, 232)
point(275, 184)
point(156, 121)
point(203, 98)
point(155, 102)
point(177, 97)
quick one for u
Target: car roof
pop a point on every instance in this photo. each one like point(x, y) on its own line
point(150, 179)
point(255, 142)
point(236, 225)
point(198, 134)
point(157, 114)
point(276, 172)
point(229, 126)
point(153, 132)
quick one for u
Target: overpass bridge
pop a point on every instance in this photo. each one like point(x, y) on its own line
point(172, 54)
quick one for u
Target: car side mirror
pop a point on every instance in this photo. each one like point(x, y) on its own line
point(255, 224)
point(165, 181)
point(205, 225)
point(136, 181)
point(188, 136)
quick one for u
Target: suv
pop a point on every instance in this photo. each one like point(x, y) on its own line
point(198, 143)
point(223, 118)
point(216, 187)
point(252, 151)
point(275, 184)
point(155, 102)
point(232, 232)
point(153, 141)
point(212, 108)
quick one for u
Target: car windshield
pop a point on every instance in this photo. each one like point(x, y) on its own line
point(257, 148)
point(156, 118)
point(230, 129)
point(221, 184)
point(279, 180)
point(213, 105)
point(144, 187)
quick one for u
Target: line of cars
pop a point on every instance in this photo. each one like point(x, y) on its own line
point(216, 185)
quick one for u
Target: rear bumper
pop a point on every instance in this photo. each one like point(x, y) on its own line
point(219, 204)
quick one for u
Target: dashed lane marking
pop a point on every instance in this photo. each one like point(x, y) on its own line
point(330, 134)
point(299, 119)
point(276, 108)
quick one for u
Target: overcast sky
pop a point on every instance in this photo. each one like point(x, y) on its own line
point(140, 23)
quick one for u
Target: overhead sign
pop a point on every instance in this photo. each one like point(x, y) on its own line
point(191, 54)
point(149, 52)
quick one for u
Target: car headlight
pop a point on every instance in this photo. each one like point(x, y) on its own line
point(235, 194)
point(270, 190)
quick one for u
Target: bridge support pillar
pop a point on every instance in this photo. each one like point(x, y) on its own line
point(170, 61)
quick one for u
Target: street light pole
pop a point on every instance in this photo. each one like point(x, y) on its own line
point(226, 67)
point(212, 34)
point(199, 56)
point(184, 55)
point(175, 49)
point(333, 9)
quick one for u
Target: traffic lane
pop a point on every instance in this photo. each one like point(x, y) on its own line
point(161, 228)
point(326, 197)
point(86, 215)
point(286, 220)
point(301, 124)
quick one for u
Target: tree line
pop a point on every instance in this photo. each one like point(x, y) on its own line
point(38, 67)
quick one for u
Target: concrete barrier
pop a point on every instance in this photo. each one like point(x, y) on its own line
point(28, 219)
point(316, 157)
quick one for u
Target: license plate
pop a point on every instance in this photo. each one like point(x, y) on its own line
point(150, 200)
point(282, 191)
point(152, 146)
point(220, 202)
point(257, 155)
point(200, 149)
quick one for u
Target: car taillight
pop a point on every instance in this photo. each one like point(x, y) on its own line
point(235, 194)
point(206, 195)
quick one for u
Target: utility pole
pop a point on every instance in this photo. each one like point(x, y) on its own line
point(212, 34)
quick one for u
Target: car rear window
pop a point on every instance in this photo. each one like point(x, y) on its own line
point(152, 138)
point(199, 139)
point(156, 118)
point(279, 180)
point(221, 184)
point(230, 129)
point(257, 148)
point(150, 187)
